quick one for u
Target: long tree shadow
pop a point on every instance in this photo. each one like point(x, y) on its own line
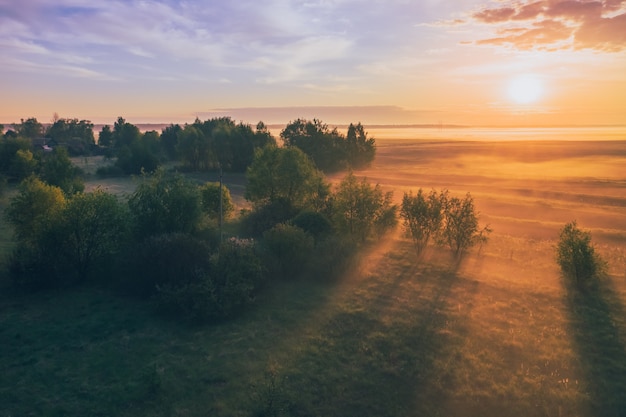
point(594, 316)
point(378, 353)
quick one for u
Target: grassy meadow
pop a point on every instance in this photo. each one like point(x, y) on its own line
point(501, 334)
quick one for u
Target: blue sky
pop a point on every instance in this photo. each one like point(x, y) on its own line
point(394, 60)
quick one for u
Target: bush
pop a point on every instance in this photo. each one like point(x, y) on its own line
point(288, 249)
point(264, 217)
point(167, 261)
point(313, 223)
point(576, 256)
point(218, 292)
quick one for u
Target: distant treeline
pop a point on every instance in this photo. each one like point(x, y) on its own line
point(199, 146)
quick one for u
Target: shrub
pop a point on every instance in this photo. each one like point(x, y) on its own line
point(288, 249)
point(313, 223)
point(167, 261)
point(577, 257)
point(218, 292)
point(460, 224)
point(422, 216)
point(266, 216)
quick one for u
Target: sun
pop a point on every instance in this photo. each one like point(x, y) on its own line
point(525, 89)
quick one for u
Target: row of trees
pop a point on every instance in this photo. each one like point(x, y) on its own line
point(448, 220)
point(163, 240)
point(200, 146)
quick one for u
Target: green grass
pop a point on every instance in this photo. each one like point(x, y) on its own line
point(397, 339)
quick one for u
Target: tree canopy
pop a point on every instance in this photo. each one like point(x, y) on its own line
point(330, 150)
point(284, 174)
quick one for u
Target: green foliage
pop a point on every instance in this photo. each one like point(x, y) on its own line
point(460, 229)
point(77, 136)
point(16, 158)
point(313, 222)
point(361, 210)
point(264, 217)
point(165, 203)
point(29, 128)
point(60, 241)
point(422, 216)
point(91, 230)
point(288, 250)
point(329, 149)
point(284, 174)
point(218, 290)
point(210, 192)
point(105, 137)
point(171, 260)
point(220, 143)
point(30, 212)
point(169, 140)
point(57, 169)
point(576, 256)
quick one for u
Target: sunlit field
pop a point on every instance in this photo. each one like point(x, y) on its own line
point(500, 334)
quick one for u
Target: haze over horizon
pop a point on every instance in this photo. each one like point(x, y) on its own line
point(465, 62)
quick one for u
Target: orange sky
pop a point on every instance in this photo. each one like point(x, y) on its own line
point(343, 61)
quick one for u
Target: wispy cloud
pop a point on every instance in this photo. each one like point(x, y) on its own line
point(557, 24)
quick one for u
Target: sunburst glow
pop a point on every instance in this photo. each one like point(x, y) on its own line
point(525, 89)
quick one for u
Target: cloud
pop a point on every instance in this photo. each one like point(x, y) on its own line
point(557, 24)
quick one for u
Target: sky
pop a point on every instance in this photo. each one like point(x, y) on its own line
point(466, 62)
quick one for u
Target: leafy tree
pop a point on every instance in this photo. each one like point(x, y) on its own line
point(57, 169)
point(362, 210)
point(460, 229)
point(288, 249)
point(284, 174)
point(124, 133)
point(140, 156)
point(576, 255)
point(165, 203)
point(360, 150)
point(33, 208)
point(77, 135)
point(29, 128)
point(329, 149)
point(169, 140)
point(166, 260)
point(16, 159)
point(422, 216)
point(105, 137)
point(210, 192)
point(90, 230)
point(322, 144)
point(195, 149)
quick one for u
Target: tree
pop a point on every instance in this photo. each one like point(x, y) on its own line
point(76, 135)
point(33, 208)
point(460, 224)
point(288, 249)
point(165, 203)
point(57, 169)
point(210, 192)
point(360, 150)
point(169, 140)
point(576, 255)
point(422, 216)
point(322, 144)
point(362, 210)
point(29, 128)
point(90, 229)
point(16, 159)
point(105, 137)
point(194, 149)
point(284, 174)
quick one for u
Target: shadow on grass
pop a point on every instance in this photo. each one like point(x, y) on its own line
point(384, 351)
point(594, 315)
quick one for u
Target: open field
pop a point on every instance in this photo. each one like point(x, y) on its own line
point(499, 335)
